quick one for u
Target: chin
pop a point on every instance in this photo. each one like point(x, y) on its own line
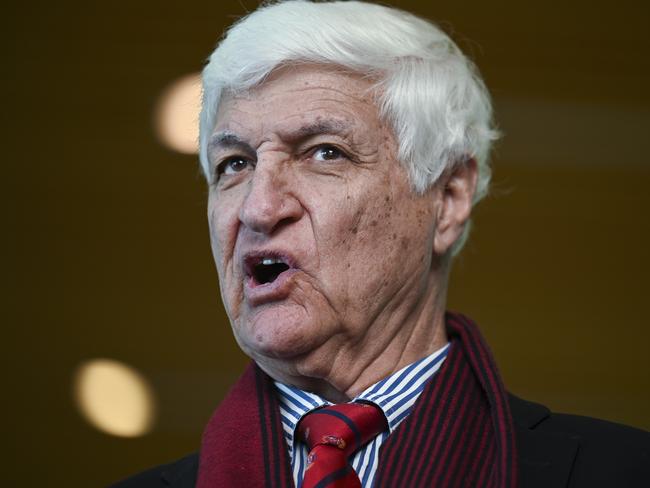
point(276, 332)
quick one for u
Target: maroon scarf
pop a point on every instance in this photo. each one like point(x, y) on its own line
point(459, 432)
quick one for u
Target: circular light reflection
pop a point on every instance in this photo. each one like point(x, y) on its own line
point(177, 117)
point(114, 398)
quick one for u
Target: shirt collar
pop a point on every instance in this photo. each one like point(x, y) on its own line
point(395, 395)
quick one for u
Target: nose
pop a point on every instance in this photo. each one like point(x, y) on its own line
point(270, 203)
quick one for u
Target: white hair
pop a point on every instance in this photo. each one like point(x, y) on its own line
point(428, 91)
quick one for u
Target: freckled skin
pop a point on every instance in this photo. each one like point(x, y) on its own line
point(369, 296)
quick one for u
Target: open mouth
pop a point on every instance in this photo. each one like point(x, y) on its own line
point(268, 270)
point(265, 269)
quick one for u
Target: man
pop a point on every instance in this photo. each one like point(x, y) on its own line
point(345, 145)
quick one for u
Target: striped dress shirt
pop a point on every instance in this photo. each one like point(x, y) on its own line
point(395, 395)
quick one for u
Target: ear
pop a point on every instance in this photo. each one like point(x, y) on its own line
point(455, 195)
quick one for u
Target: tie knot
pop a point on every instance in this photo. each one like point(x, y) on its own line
point(347, 426)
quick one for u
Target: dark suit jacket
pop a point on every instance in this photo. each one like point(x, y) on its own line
point(555, 450)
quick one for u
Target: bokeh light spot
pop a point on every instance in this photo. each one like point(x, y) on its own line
point(177, 115)
point(114, 398)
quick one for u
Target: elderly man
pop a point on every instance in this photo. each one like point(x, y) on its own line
point(345, 145)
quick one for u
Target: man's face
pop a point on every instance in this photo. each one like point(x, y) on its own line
point(315, 231)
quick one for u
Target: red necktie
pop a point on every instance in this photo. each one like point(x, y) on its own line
point(332, 435)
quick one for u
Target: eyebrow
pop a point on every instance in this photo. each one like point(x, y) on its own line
point(336, 127)
point(229, 140)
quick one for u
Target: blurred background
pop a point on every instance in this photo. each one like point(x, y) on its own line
point(116, 345)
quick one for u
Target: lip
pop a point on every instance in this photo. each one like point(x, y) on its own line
point(261, 293)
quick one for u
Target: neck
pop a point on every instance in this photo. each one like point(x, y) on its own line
point(397, 337)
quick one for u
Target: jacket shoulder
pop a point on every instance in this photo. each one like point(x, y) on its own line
point(605, 453)
point(180, 473)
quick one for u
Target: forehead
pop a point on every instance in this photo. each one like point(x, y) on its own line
point(296, 95)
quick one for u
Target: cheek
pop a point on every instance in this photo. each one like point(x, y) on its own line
point(222, 222)
point(379, 236)
point(358, 244)
point(390, 244)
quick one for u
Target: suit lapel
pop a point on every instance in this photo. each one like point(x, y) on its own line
point(181, 474)
point(545, 459)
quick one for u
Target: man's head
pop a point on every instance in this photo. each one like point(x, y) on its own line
point(345, 144)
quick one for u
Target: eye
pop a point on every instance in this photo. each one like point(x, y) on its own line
point(233, 165)
point(328, 153)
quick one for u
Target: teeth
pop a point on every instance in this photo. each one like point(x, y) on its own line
point(270, 261)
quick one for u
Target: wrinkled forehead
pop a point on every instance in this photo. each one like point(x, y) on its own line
point(328, 75)
point(304, 100)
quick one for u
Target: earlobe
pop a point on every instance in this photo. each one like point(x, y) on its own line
point(456, 194)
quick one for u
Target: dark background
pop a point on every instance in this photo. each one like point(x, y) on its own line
point(106, 244)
